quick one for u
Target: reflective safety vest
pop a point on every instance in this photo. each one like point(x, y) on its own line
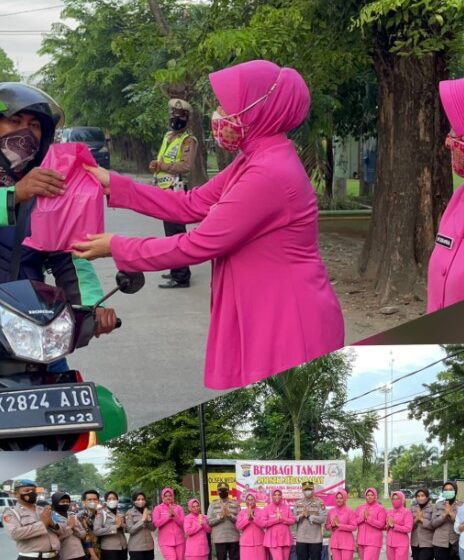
point(170, 152)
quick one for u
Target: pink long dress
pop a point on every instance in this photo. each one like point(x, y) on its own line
point(251, 535)
point(196, 528)
point(272, 305)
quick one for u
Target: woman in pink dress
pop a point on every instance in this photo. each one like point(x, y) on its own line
point(196, 528)
point(371, 518)
point(277, 519)
point(400, 523)
point(250, 523)
point(341, 521)
point(168, 518)
point(272, 304)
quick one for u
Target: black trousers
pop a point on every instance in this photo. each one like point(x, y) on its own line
point(114, 555)
point(422, 553)
point(308, 551)
point(181, 275)
point(142, 555)
point(232, 548)
point(442, 553)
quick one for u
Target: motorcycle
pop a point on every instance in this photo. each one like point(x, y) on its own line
point(44, 405)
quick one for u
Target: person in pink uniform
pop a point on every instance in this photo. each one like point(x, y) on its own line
point(446, 266)
point(341, 521)
point(371, 518)
point(277, 519)
point(168, 518)
point(272, 304)
point(250, 523)
point(196, 528)
point(400, 522)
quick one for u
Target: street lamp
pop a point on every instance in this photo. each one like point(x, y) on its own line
point(385, 389)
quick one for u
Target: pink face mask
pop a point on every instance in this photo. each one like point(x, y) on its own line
point(229, 130)
point(456, 145)
point(397, 503)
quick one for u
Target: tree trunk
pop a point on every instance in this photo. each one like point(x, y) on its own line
point(414, 181)
point(157, 12)
point(329, 169)
point(297, 440)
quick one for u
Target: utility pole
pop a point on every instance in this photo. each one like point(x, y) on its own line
point(445, 464)
point(392, 361)
point(385, 389)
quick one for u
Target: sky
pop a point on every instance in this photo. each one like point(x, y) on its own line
point(374, 366)
point(20, 33)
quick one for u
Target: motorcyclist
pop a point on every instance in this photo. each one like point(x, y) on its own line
point(28, 119)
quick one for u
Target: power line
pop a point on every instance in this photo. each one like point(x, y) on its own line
point(410, 374)
point(32, 11)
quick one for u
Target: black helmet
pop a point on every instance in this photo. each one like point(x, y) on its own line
point(16, 97)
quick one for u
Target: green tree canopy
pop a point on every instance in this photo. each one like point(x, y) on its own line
point(71, 476)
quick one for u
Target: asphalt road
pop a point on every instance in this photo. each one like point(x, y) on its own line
point(7, 546)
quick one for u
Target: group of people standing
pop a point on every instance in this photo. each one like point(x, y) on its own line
point(430, 531)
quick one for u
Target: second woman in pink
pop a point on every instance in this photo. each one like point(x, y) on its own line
point(196, 528)
point(341, 521)
point(250, 523)
point(277, 518)
point(370, 518)
point(168, 518)
point(400, 523)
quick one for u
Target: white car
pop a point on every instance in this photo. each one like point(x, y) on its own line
point(5, 503)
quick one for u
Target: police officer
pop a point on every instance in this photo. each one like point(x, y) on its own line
point(222, 515)
point(73, 531)
point(31, 526)
point(310, 516)
point(90, 503)
point(175, 160)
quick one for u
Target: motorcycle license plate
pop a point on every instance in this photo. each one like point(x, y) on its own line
point(49, 409)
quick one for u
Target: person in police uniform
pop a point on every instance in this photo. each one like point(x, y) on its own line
point(310, 514)
point(32, 526)
point(222, 516)
point(175, 161)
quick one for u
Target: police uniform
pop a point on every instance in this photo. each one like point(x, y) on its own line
point(176, 156)
point(225, 536)
point(310, 514)
point(33, 538)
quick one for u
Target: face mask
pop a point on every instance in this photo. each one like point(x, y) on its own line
point(449, 494)
point(308, 493)
point(140, 504)
point(19, 148)
point(62, 509)
point(223, 493)
point(92, 505)
point(456, 146)
point(30, 497)
point(176, 123)
point(229, 131)
point(397, 503)
point(112, 504)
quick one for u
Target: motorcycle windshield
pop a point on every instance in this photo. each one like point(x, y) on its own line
point(37, 301)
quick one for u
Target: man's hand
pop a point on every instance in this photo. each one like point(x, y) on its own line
point(106, 320)
point(97, 246)
point(39, 182)
point(155, 166)
point(103, 175)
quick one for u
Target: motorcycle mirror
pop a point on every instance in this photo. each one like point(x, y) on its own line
point(130, 282)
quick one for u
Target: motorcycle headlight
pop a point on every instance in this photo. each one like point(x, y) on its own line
point(35, 342)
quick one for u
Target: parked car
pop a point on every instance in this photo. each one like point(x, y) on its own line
point(92, 136)
point(5, 503)
point(408, 494)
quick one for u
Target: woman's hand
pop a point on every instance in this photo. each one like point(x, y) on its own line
point(98, 246)
point(102, 175)
point(39, 182)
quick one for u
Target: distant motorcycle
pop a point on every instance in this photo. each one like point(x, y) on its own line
point(39, 409)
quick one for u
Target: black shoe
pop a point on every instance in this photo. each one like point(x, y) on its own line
point(166, 276)
point(173, 284)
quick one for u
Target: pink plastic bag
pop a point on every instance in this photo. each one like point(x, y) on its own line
point(57, 223)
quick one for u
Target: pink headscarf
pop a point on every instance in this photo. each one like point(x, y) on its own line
point(191, 502)
point(285, 108)
point(344, 493)
point(165, 491)
point(452, 98)
point(400, 495)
